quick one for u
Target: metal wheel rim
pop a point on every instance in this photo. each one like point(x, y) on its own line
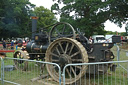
point(84, 59)
point(20, 64)
point(60, 23)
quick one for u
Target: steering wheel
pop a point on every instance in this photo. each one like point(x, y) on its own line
point(61, 29)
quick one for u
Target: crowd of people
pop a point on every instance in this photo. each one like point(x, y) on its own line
point(5, 45)
point(13, 43)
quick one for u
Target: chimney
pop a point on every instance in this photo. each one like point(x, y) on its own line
point(34, 26)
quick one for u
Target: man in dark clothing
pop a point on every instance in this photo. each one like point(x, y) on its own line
point(4, 44)
point(12, 45)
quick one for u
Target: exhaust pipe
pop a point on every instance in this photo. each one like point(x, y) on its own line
point(34, 26)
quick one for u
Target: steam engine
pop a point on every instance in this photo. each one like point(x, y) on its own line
point(63, 46)
point(38, 46)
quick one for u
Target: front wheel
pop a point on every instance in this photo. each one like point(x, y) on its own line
point(20, 64)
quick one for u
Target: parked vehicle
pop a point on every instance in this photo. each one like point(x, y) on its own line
point(99, 38)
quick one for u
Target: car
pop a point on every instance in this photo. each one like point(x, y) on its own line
point(98, 39)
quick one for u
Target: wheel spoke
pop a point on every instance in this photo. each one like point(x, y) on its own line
point(73, 71)
point(79, 67)
point(75, 54)
point(15, 61)
point(54, 54)
point(53, 60)
point(61, 47)
point(21, 65)
point(71, 49)
point(79, 60)
point(57, 51)
point(68, 72)
point(66, 48)
point(58, 32)
point(63, 29)
point(21, 57)
point(53, 67)
point(18, 54)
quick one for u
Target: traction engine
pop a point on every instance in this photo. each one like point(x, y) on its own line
point(65, 45)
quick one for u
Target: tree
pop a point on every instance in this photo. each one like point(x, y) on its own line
point(45, 17)
point(90, 15)
point(15, 17)
point(126, 28)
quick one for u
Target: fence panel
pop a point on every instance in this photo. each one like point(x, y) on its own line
point(98, 73)
point(1, 70)
point(28, 72)
point(120, 53)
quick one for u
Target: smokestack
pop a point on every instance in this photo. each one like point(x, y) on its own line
point(34, 26)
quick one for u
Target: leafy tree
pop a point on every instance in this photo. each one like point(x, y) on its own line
point(15, 17)
point(45, 17)
point(90, 15)
point(123, 34)
point(111, 33)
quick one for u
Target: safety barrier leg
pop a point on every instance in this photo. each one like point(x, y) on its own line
point(2, 71)
point(118, 53)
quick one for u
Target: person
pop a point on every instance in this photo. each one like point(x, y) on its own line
point(16, 46)
point(91, 40)
point(4, 44)
point(12, 44)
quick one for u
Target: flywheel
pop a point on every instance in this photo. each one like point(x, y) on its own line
point(66, 51)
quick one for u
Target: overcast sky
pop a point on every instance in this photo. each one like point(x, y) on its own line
point(108, 25)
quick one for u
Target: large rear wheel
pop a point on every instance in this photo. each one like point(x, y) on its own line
point(66, 51)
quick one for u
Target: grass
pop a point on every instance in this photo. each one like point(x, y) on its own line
point(119, 77)
point(23, 77)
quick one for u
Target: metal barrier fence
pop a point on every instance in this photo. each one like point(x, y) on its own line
point(3, 54)
point(31, 72)
point(120, 53)
point(99, 76)
point(1, 71)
